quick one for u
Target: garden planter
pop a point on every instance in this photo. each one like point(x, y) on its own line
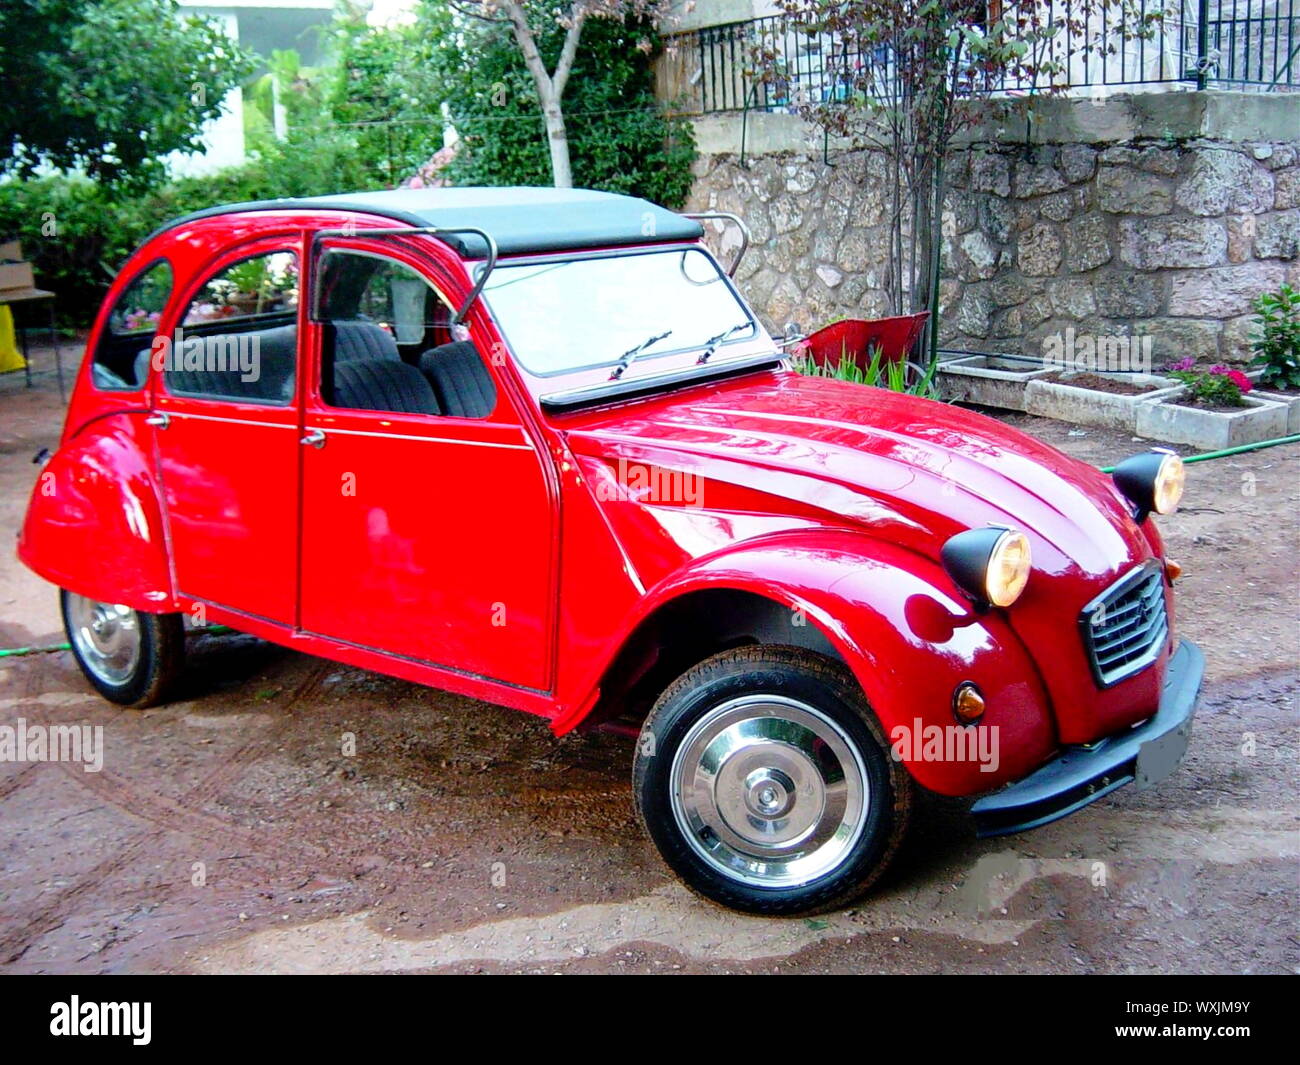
point(1055, 397)
point(987, 380)
point(1289, 400)
point(1260, 419)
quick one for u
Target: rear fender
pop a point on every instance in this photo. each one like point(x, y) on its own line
point(94, 524)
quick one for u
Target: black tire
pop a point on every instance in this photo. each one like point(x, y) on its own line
point(159, 662)
point(804, 679)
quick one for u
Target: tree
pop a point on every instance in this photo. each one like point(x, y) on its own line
point(109, 86)
point(528, 19)
point(619, 137)
point(906, 76)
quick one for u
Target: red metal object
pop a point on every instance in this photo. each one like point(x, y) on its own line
point(857, 337)
point(815, 495)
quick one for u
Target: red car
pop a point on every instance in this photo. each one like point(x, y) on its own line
point(531, 446)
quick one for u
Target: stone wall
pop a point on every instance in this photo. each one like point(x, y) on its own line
point(1170, 237)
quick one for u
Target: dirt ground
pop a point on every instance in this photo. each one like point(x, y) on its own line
point(227, 832)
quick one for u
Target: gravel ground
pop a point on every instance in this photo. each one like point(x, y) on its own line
point(226, 831)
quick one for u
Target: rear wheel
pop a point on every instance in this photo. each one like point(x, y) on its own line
point(766, 782)
point(129, 657)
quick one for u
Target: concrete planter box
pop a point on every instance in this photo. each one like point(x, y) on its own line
point(1057, 398)
point(987, 380)
point(1291, 401)
point(1209, 430)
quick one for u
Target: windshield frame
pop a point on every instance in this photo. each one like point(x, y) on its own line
point(646, 358)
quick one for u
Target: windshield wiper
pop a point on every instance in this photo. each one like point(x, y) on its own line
point(632, 353)
point(713, 343)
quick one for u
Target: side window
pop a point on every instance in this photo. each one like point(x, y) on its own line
point(238, 338)
point(122, 355)
point(389, 344)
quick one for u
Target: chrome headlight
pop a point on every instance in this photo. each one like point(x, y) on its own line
point(990, 565)
point(1151, 482)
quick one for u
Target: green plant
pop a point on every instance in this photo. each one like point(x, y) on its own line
point(896, 375)
point(1276, 341)
point(1219, 386)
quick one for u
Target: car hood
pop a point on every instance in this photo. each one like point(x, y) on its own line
point(913, 470)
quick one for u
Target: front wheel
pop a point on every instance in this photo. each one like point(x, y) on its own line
point(129, 657)
point(766, 782)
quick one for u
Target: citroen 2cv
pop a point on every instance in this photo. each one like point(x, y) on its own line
point(531, 446)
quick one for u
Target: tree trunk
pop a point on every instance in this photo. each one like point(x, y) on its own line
point(550, 88)
point(557, 139)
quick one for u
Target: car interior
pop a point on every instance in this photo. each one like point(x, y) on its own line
point(389, 343)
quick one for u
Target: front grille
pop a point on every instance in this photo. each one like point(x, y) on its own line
point(1126, 627)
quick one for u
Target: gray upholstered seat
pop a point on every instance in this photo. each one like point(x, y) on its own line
point(461, 382)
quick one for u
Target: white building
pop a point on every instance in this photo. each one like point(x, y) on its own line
point(261, 26)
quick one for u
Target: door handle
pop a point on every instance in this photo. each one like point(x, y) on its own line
point(160, 420)
point(314, 438)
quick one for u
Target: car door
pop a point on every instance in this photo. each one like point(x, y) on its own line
point(428, 526)
point(226, 432)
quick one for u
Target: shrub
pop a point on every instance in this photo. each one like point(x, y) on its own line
point(1276, 341)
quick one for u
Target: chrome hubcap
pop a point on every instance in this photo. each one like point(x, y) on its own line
point(106, 636)
point(769, 791)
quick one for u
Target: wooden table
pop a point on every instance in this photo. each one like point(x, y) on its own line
point(11, 296)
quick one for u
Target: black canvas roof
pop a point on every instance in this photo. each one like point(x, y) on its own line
point(520, 220)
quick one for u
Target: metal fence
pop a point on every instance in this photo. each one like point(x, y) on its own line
point(1197, 43)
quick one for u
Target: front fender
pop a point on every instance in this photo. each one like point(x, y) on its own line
point(909, 644)
point(94, 524)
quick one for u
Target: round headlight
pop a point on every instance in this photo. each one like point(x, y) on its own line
point(1170, 479)
point(1151, 482)
point(990, 565)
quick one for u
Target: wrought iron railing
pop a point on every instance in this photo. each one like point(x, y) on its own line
point(1197, 44)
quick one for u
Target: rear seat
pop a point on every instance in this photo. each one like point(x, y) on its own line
point(277, 350)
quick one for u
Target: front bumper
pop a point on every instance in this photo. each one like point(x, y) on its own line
point(1081, 775)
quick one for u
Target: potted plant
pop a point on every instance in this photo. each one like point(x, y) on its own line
point(1214, 410)
point(1276, 344)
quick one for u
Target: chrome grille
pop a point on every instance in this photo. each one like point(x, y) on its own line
point(1126, 627)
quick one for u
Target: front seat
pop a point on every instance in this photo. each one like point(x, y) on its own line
point(392, 386)
point(461, 382)
point(355, 341)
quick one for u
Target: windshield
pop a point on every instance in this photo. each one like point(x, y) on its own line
point(581, 313)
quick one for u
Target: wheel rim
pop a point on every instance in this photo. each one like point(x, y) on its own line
point(107, 638)
point(769, 791)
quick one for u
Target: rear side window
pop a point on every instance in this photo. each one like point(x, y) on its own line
point(238, 338)
point(122, 356)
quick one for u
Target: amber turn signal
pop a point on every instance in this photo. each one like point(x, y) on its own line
point(1172, 570)
point(967, 703)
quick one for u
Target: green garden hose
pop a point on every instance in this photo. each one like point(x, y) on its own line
point(15, 652)
point(1230, 450)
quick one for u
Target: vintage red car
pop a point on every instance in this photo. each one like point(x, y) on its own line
point(531, 446)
